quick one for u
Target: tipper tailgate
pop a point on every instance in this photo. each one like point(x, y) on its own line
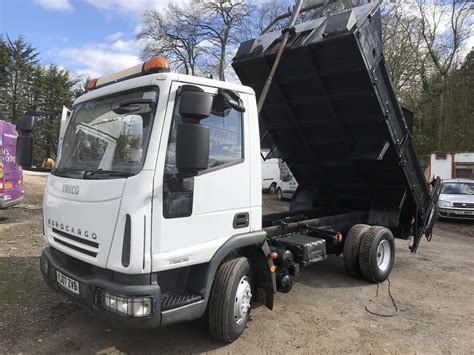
point(333, 116)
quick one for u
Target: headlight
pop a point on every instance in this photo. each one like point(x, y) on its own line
point(445, 204)
point(127, 306)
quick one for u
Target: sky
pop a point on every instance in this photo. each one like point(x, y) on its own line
point(90, 38)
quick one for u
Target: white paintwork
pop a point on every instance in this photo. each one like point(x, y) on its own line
point(464, 157)
point(444, 168)
point(215, 203)
point(270, 172)
point(157, 243)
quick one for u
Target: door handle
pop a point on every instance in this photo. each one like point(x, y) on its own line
point(241, 220)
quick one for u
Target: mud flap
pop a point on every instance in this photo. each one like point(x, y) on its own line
point(267, 285)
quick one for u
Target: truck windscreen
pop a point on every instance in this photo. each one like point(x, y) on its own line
point(108, 137)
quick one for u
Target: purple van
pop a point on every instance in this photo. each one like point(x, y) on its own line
point(11, 176)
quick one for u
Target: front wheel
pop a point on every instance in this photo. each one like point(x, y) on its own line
point(376, 254)
point(279, 194)
point(229, 302)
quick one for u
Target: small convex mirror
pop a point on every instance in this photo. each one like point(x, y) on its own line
point(24, 142)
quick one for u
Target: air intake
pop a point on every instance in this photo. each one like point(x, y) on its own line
point(126, 242)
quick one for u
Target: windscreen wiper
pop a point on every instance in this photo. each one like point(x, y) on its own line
point(67, 172)
point(96, 174)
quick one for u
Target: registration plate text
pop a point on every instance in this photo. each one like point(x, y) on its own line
point(67, 282)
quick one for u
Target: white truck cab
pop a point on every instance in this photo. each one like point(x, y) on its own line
point(126, 226)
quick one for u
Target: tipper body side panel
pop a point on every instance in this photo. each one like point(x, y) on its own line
point(333, 116)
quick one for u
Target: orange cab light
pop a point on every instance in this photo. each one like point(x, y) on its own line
point(339, 237)
point(91, 84)
point(156, 63)
point(273, 268)
point(274, 255)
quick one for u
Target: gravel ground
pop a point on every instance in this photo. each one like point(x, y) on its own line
point(465, 228)
point(325, 312)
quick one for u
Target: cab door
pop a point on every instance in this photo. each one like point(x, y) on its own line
point(189, 226)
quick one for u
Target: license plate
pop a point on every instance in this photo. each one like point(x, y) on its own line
point(464, 212)
point(67, 282)
point(8, 185)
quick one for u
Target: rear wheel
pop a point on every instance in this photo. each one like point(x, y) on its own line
point(279, 194)
point(351, 249)
point(377, 254)
point(229, 302)
point(273, 188)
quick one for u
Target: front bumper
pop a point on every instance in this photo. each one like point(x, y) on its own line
point(10, 203)
point(94, 281)
point(456, 213)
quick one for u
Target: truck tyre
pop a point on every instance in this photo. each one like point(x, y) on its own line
point(229, 301)
point(376, 254)
point(279, 194)
point(351, 249)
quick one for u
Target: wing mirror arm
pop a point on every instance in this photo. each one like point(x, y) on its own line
point(232, 99)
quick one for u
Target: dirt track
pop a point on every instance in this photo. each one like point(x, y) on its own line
point(434, 291)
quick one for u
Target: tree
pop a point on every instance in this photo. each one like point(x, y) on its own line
point(443, 46)
point(403, 50)
point(22, 60)
point(219, 22)
point(459, 107)
point(173, 34)
point(56, 89)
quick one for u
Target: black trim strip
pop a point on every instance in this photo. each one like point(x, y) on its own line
point(126, 242)
point(87, 252)
point(76, 239)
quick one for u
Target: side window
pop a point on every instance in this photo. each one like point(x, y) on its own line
point(226, 138)
point(175, 204)
point(226, 148)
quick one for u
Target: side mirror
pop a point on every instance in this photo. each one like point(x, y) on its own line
point(24, 142)
point(192, 148)
point(25, 123)
point(24, 151)
point(195, 103)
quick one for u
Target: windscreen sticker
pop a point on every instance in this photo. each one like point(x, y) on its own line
point(150, 95)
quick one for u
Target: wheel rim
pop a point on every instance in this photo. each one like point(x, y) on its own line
point(384, 255)
point(242, 300)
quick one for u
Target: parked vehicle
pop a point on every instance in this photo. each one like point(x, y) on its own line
point(270, 175)
point(457, 199)
point(153, 213)
point(286, 187)
point(11, 175)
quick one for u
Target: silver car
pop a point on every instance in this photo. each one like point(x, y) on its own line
point(457, 199)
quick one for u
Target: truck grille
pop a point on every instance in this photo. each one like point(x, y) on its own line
point(463, 205)
point(64, 238)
